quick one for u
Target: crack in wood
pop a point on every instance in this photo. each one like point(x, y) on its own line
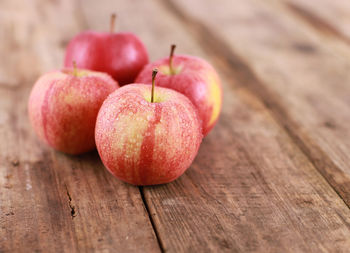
point(73, 211)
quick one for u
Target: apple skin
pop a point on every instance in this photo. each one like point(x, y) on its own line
point(196, 79)
point(146, 143)
point(63, 108)
point(122, 55)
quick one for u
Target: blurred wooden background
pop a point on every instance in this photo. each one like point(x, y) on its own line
point(273, 175)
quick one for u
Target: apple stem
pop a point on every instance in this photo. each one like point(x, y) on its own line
point(154, 73)
point(112, 24)
point(172, 49)
point(75, 71)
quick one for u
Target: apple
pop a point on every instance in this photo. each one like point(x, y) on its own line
point(63, 106)
point(122, 55)
point(193, 77)
point(147, 135)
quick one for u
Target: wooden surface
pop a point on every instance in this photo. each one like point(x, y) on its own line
point(273, 175)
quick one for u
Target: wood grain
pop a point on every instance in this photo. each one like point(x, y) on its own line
point(317, 18)
point(298, 77)
point(51, 202)
point(330, 17)
point(250, 188)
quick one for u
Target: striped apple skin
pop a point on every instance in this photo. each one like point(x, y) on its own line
point(196, 79)
point(63, 108)
point(146, 143)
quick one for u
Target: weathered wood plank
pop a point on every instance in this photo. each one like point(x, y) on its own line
point(250, 188)
point(302, 81)
point(51, 202)
point(33, 37)
point(322, 20)
point(236, 196)
point(329, 17)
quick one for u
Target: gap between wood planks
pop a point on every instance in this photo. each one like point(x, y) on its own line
point(156, 232)
point(224, 56)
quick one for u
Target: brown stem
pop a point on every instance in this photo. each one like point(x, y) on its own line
point(112, 22)
point(172, 49)
point(154, 73)
point(75, 71)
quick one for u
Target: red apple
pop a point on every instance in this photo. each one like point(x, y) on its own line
point(144, 139)
point(63, 107)
point(193, 77)
point(122, 55)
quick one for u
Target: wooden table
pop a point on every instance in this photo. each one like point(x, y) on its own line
point(273, 175)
